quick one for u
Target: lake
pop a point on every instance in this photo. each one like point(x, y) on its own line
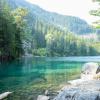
point(30, 76)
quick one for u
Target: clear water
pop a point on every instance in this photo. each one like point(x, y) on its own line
point(29, 77)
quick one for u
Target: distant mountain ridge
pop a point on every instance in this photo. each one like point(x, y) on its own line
point(73, 24)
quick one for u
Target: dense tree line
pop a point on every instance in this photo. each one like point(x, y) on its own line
point(11, 28)
point(49, 40)
point(22, 34)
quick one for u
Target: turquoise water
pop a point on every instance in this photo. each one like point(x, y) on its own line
point(29, 77)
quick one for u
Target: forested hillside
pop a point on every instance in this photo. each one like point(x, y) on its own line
point(74, 24)
point(27, 29)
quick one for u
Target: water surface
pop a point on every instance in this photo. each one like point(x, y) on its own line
point(29, 77)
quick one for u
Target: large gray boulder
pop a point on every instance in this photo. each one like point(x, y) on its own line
point(76, 93)
point(89, 70)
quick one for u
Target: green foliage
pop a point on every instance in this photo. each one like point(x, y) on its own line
point(60, 42)
point(19, 15)
point(96, 13)
point(42, 33)
point(10, 32)
point(96, 23)
point(73, 24)
point(39, 52)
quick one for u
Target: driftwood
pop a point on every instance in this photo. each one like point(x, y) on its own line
point(5, 95)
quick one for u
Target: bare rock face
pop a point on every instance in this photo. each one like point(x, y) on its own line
point(89, 70)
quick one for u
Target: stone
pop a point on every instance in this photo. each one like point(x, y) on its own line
point(42, 97)
point(86, 88)
point(66, 94)
point(46, 92)
point(4, 95)
point(77, 93)
point(76, 82)
point(89, 70)
point(87, 95)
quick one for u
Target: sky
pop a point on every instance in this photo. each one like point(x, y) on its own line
point(78, 8)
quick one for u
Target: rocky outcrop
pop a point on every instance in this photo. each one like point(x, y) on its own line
point(89, 70)
point(76, 93)
point(86, 88)
point(48, 95)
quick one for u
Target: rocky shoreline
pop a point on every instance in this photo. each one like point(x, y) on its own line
point(86, 88)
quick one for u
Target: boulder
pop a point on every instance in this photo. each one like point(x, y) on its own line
point(87, 95)
point(5, 95)
point(76, 82)
point(76, 93)
point(42, 97)
point(89, 70)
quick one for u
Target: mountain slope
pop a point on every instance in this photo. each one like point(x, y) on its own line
point(73, 24)
point(43, 33)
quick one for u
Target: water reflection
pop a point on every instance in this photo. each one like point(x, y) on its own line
point(36, 74)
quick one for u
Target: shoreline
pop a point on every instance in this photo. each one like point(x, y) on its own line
point(85, 88)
